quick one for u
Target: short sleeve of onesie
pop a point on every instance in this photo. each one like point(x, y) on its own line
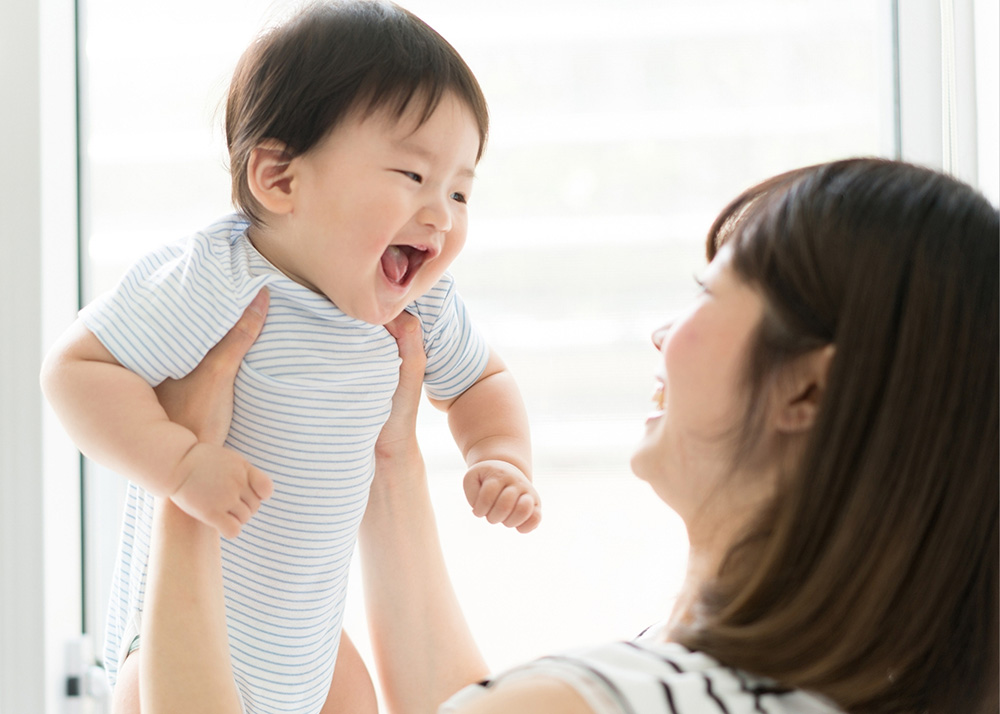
point(174, 304)
point(456, 351)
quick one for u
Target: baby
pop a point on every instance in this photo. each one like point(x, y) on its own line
point(353, 130)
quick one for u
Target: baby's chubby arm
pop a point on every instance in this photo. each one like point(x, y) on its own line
point(490, 426)
point(114, 417)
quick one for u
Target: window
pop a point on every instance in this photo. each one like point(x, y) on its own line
point(618, 132)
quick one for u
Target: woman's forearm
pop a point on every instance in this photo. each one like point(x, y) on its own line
point(423, 646)
point(184, 658)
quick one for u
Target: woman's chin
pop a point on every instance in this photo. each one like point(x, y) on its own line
point(642, 460)
point(651, 456)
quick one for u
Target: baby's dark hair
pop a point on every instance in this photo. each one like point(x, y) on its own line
point(297, 81)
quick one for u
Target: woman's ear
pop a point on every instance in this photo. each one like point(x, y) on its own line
point(270, 175)
point(803, 391)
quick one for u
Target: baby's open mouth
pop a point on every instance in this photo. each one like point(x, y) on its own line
point(401, 262)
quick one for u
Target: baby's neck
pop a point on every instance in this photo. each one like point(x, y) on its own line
point(267, 241)
point(263, 241)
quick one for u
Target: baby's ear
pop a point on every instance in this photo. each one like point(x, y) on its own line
point(803, 390)
point(270, 176)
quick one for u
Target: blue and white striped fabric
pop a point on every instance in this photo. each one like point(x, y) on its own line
point(311, 398)
point(646, 676)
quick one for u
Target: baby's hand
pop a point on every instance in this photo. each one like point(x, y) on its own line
point(501, 493)
point(220, 488)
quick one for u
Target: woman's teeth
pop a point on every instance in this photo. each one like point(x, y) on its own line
point(658, 394)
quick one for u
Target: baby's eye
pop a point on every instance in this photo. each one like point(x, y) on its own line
point(459, 197)
point(415, 177)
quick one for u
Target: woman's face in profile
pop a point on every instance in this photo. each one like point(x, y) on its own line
point(699, 393)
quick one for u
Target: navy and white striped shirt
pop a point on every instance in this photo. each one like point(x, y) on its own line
point(645, 676)
point(310, 400)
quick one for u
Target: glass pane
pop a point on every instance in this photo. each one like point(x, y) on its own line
point(619, 130)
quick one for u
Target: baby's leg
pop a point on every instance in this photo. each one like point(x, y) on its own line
point(125, 698)
point(351, 691)
point(184, 652)
point(184, 648)
point(182, 663)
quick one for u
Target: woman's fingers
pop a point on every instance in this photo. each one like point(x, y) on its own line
point(401, 425)
point(203, 400)
point(409, 336)
point(227, 355)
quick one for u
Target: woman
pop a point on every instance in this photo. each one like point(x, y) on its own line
point(827, 428)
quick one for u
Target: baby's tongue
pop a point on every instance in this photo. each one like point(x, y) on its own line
point(394, 263)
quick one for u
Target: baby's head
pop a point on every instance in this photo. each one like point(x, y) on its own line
point(298, 81)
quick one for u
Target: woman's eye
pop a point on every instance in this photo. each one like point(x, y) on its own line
point(702, 287)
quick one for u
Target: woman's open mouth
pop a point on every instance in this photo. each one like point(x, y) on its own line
point(401, 262)
point(658, 394)
point(658, 398)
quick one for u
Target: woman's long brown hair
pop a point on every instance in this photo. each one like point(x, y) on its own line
point(872, 576)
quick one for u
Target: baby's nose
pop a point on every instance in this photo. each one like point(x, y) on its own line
point(436, 214)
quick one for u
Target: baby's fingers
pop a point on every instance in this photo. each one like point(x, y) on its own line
point(526, 505)
point(482, 496)
point(525, 515)
point(242, 512)
point(228, 525)
point(260, 483)
point(504, 506)
point(259, 487)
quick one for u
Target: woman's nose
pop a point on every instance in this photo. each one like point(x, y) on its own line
point(660, 333)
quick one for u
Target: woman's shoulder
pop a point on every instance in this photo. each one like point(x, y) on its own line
point(646, 676)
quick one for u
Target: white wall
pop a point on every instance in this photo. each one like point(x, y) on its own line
point(39, 495)
point(21, 612)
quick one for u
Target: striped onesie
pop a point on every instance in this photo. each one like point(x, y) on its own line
point(310, 399)
point(647, 676)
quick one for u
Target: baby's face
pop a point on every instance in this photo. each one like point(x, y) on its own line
point(381, 208)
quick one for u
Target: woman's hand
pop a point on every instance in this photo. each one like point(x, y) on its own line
point(203, 400)
point(399, 436)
